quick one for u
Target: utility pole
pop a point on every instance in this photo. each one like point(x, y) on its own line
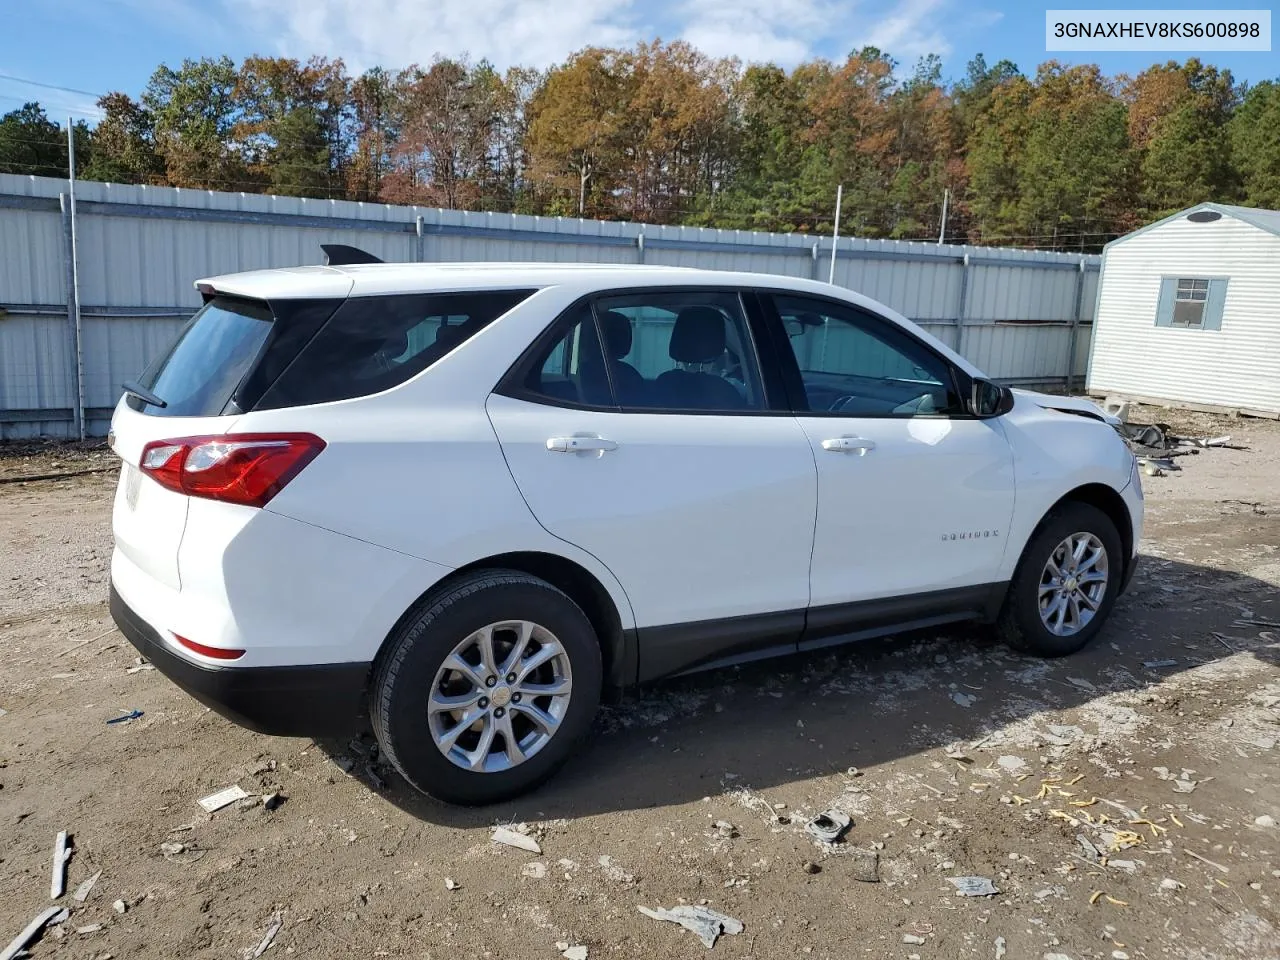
point(835, 234)
point(942, 233)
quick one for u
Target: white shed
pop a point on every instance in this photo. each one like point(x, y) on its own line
point(1189, 312)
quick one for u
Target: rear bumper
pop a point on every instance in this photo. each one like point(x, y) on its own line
point(296, 701)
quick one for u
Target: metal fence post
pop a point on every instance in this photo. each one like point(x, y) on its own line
point(640, 247)
point(816, 265)
point(74, 346)
point(963, 309)
point(1075, 329)
point(419, 245)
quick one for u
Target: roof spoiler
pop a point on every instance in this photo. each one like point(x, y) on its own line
point(340, 255)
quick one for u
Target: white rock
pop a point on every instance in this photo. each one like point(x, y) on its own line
point(575, 953)
point(514, 839)
point(450, 883)
point(119, 906)
point(912, 938)
point(1169, 884)
point(1119, 955)
point(536, 870)
point(1266, 820)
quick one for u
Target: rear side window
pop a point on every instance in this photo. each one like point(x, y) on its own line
point(371, 344)
point(199, 374)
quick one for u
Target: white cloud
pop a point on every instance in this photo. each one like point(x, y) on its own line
point(395, 33)
point(911, 29)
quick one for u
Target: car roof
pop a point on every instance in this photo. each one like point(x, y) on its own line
point(370, 279)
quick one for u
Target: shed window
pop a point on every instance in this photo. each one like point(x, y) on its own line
point(1191, 303)
point(1188, 304)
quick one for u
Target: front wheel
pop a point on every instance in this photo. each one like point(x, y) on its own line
point(485, 693)
point(1065, 584)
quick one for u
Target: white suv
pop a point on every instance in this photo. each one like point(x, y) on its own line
point(460, 501)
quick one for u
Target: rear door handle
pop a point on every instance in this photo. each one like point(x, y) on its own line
point(580, 445)
point(859, 445)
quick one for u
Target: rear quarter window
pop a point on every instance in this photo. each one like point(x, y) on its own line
point(217, 348)
point(371, 344)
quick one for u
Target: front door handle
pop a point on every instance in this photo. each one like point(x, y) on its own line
point(859, 445)
point(581, 445)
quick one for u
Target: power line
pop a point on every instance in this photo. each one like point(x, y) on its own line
point(49, 86)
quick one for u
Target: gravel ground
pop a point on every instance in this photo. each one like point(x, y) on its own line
point(953, 756)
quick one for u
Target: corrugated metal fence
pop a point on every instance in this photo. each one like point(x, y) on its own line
point(1018, 314)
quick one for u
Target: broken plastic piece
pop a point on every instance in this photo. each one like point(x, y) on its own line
point(29, 933)
point(513, 839)
point(225, 797)
point(974, 886)
point(82, 891)
point(706, 923)
point(131, 715)
point(829, 826)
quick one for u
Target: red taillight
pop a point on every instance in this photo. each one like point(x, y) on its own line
point(248, 468)
point(216, 653)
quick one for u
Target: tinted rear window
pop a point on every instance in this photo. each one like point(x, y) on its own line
point(371, 344)
point(213, 353)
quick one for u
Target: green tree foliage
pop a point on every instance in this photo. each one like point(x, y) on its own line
point(124, 149)
point(1178, 115)
point(31, 143)
point(195, 110)
point(1255, 141)
point(660, 132)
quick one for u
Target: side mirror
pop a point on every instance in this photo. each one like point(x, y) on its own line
point(989, 399)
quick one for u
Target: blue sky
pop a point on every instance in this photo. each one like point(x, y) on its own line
point(100, 45)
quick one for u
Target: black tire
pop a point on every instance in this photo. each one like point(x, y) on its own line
point(407, 669)
point(1019, 624)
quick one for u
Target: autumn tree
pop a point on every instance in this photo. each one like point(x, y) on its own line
point(1177, 117)
point(1255, 141)
point(576, 131)
point(375, 130)
point(195, 110)
point(124, 149)
point(446, 121)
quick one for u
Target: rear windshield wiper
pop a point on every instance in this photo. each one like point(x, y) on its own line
point(142, 393)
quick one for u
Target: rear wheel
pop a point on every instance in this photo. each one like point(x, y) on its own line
point(485, 694)
point(1065, 584)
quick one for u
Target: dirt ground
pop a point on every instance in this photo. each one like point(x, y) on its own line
point(1157, 746)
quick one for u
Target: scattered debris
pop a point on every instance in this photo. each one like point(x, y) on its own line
point(1090, 851)
point(1217, 866)
point(1184, 786)
point(829, 826)
point(612, 871)
point(30, 933)
point(1000, 948)
point(866, 865)
point(964, 699)
point(535, 871)
point(276, 923)
point(139, 667)
point(89, 928)
point(131, 715)
point(1011, 764)
point(1128, 866)
point(273, 800)
point(513, 839)
point(974, 886)
point(451, 884)
point(913, 939)
point(1170, 884)
point(61, 854)
point(575, 953)
point(1081, 683)
point(120, 907)
point(172, 848)
point(82, 891)
point(1159, 664)
point(706, 923)
point(810, 867)
point(1266, 820)
point(223, 798)
point(726, 829)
